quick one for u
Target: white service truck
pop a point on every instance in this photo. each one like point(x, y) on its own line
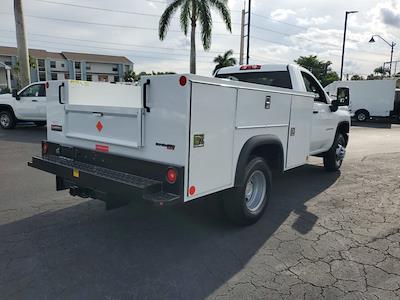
point(371, 98)
point(27, 105)
point(176, 138)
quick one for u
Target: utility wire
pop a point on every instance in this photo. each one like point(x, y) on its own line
point(111, 25)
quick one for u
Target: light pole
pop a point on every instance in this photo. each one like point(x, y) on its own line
point(391, 45)
point(248, 33)
point(344, 40)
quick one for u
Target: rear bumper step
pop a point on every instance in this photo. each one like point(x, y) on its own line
point(102, 183)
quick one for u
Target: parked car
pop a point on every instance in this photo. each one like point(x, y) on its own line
point(27, 105)
point(176, 138)
point(371, 98)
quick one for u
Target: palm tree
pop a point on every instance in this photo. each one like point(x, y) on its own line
point(224, 60)
point(191, 12)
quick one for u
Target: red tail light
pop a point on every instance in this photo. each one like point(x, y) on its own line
point(45, 148)
point(250, 67)
point(183, 80)
point(171, 175)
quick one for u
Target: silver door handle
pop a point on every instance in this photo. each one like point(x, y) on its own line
point(315, 111)
point(34, 101)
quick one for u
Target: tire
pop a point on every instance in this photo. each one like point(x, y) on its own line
point(245, 204)
point(7, 119)
point(40, 123)
point(362, 115)
point(333, 159)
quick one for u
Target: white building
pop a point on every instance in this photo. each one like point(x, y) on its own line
point(66, 65)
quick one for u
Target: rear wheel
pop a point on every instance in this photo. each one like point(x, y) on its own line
point(333, 159)
point(362, 115)
point(247, 203)
point(7, 120)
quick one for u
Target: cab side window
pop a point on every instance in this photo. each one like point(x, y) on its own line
point(312, 86)
point(36, 90)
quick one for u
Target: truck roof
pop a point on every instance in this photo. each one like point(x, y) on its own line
point(254, 68)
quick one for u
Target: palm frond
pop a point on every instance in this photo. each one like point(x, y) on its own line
point(205, 22)
point(185, 16)
point(166, 18)
point(223, 9)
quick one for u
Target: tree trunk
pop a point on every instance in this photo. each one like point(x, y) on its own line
point(22, 49)
point(193, 40)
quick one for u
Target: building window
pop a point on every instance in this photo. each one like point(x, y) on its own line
point(89, 77)
point(77, 65)
point(116, 78)
point(8, 63)
point(41, 69)
point(52, 64)
point(88, 67)
point(78, 76)
point(66, 76)
point(54, 76)
point(62, 65)
point(115, 69)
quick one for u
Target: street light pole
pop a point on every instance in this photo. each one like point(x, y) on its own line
point(344, 41)
point(248, 33)
point(391, 45)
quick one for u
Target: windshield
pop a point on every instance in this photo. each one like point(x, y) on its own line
point(279, 78)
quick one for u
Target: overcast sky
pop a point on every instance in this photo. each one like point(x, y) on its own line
point(281, 31)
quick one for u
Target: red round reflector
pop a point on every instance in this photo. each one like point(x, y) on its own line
point(183, 80)
point(171, 175)
point(45, 148)
point(192, 190)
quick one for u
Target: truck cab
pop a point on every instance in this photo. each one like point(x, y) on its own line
point(28, 104)
point(325, 119)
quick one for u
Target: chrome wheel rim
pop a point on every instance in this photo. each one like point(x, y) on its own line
point(361, 117)
point(5, 120)
point(256, 188)
point(340, 151)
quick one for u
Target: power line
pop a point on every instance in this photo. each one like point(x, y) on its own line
point(112, 49)
point(274, 42)
point(114, 43)
point(110, 25)
point(140, 56)
point(108, 9)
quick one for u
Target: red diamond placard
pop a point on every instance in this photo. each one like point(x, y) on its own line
point(99, 126)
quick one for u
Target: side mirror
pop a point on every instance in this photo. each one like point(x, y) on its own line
point(14, 93)
point(343, 97)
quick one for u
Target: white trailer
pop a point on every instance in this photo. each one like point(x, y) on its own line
point(371, 98)
point(177, 138)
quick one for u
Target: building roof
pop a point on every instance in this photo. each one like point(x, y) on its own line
point(96, 58)
point(12, 51)
point(75, 56)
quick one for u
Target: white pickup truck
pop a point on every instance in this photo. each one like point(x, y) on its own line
point(176, 138)
point(27, 105)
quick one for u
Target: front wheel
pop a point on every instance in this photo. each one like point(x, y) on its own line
point(7, 120)
point(247, 203)
point(333, 159)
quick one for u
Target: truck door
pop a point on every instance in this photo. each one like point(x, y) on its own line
point(32, 102)
point(323, 124)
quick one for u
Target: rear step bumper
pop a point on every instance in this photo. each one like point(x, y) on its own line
point(114, 187)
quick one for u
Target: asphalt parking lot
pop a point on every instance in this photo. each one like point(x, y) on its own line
point(325, 235)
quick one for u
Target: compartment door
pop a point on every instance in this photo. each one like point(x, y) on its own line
point(299, 134)
point(211, 139)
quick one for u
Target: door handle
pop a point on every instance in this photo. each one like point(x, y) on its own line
point(34, 100)
point(315, 111)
